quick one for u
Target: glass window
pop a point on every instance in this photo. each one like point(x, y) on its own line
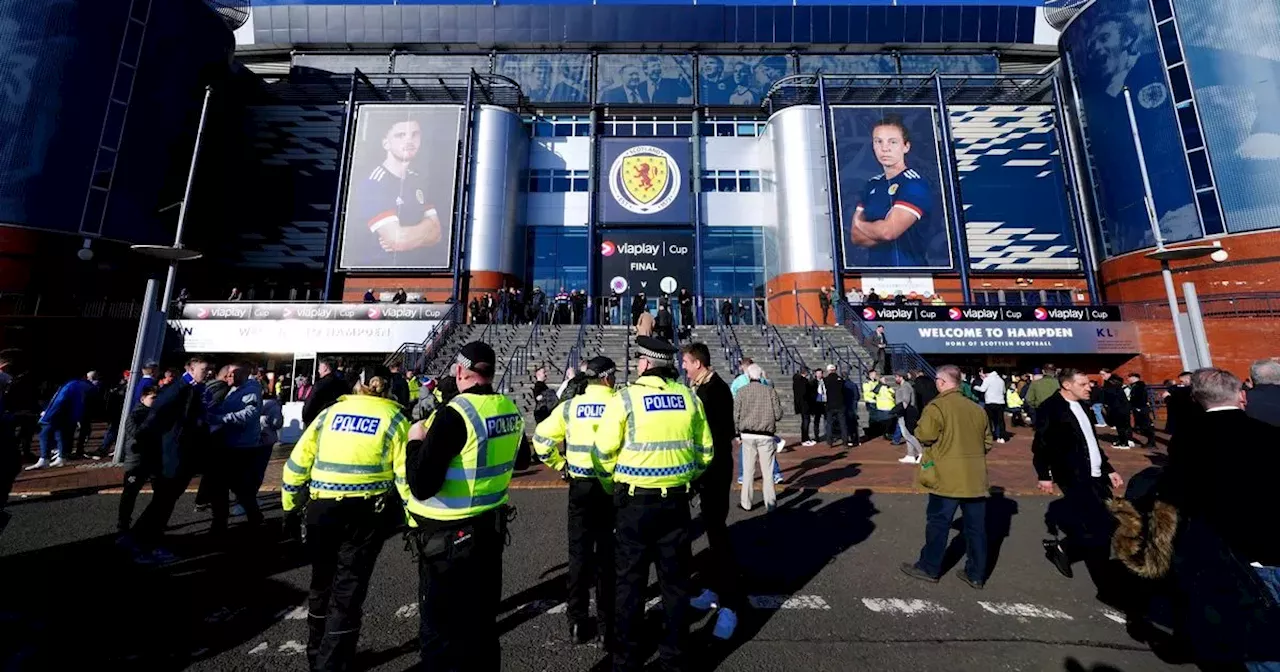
point(582, 130)
point(732, 263)
point(685, 130)
point(1169, 43)
point(1201, 177)
point(1162, 9)
point(1179, 84)
point(624, 129)
point(557, 257)
point(1190, 125)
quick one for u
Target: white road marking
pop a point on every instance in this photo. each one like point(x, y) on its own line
point(559, 608)
point(1115, 616)
point(893, 605)
point(261, 648)
point(1024, 610)
point(788, 602)
point(653, 603)
point(292, 646)
point(407, 611)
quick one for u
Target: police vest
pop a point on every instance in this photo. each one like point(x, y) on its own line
point(884, 397)
point(868, 394)
point(653, 435)
point(478, 476)
point(573, 423)
point(1011, 398)
point(415, 388)
point(347, 451)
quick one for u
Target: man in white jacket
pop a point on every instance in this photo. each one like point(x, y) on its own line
point(992, 389)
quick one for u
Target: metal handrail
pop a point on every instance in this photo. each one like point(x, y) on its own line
point(846, 357)
point(1211, 306)
point(575, 353)
point(520, 355)
point(426, 350)
point(901, 356)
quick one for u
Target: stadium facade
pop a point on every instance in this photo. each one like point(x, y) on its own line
point(735, 150)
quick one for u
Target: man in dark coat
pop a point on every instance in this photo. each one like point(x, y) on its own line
point(325, 393)
point(720, 572)
point(1140, 406)
point(837, 412)
point(178, 428)
point(1179, 407)
point(1223, 507)
point(1065, 451)
point(925, 389)
point(800, 396)
point(638, 305)
point(1264, 398)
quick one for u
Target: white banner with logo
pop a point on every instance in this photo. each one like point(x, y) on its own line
point(290, 336)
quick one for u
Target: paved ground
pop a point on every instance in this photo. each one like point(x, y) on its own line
point(822, 570)
point(873, 465)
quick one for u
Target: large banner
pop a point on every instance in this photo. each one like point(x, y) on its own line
point(890, 185)
point(549, 78)
point(946, 338)
point(1112, 46)
point(645, 181)
point(401, 186)
point(237, 310)
point(288, 336)
point(739, 80)
point(1016, 213)
point(644, 79)
point(649, 262)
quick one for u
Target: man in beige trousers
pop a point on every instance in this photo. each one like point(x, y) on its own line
point(756, 412)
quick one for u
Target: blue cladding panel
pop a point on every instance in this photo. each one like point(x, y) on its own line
point(549, 78)
point(739, 80)
point(636, 78)
point(1233, 50)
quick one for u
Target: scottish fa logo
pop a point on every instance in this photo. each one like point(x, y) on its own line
point(644, 180)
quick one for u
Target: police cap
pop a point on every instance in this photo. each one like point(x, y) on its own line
point(372, 371)
point(479, 357)
point(600, 367)
point(656, 349)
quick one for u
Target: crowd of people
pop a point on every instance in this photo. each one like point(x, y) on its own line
point(387, 449)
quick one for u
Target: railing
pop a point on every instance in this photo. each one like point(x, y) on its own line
point(1262, 304)
point(786, 354)
point(26, 305)
point(575, 353)
point(519, 359)
point(729, 343)
point(711, 310)
point(424, 353)
point(902, 357)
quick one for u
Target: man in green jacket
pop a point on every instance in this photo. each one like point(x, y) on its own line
point(1040, 389)
point(957, 438)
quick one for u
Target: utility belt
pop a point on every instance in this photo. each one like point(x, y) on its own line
point(444, 540)
point(628, 490)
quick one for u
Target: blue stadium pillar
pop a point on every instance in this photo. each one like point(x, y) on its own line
point(593, 249)
point(460, 197)
point(697, 213)
point(1068, 157)
point(344, 165)
point(953, 193)
point(833, 204)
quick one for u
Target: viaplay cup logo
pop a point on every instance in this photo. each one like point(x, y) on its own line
point(608, 248)
point(644, 180)
point(1042, 314)
point(868, 313)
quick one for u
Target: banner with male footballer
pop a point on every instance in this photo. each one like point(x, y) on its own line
point(892, 202)
point(644, 181)
point(400, 188)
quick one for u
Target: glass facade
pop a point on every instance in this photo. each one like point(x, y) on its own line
point(557, 257)
point(732, 263)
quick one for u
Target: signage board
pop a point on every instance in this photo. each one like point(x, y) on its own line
point(1001, 337)
point(892, 313)
point(652, 262)
point(236, 310)
point(284, 336)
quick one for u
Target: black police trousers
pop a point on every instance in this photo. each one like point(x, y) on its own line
point(459, 590)
point(590, 551)
point(344, 537)
point(652, 528)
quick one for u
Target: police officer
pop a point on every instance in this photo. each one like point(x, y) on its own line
point(453, 481)
point(573, 425)
point(654, 442)
point(886, 401)
point(343, 465)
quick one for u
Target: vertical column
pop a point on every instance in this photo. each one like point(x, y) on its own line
point(696, 139)
point(833, 204)
point(1098, 215)
point(1067, 154)
point(593, 249)
point(344, 164)
point(462, 247)
point(953, 192)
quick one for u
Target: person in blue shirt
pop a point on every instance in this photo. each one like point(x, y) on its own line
point(59, 420)
point(396, 204)
point(893, 216)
